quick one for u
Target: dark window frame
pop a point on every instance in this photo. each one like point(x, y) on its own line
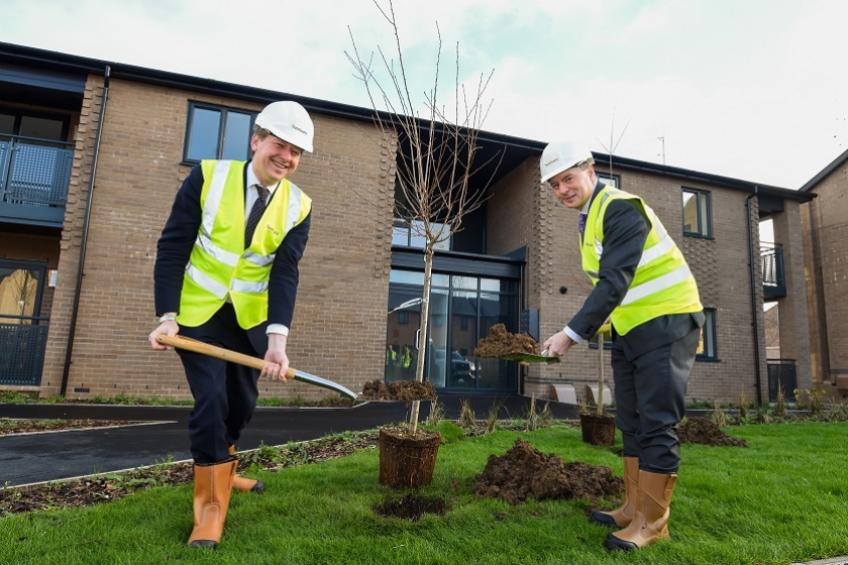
point(44, 271)
point(616, 178)
point(710, 314)
point(222, 128)
point(19, 113)
point(705, 225)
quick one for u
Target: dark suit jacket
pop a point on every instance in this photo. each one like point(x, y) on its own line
point(175, 245)
point(625, 231)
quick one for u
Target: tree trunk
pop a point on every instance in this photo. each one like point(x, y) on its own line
point(422, 332)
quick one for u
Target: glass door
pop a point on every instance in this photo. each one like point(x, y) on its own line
point(22, 337)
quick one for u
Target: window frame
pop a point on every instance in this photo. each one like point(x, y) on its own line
point(615, 178)
point(222, 128)
point(710, 314)
point(704, 224)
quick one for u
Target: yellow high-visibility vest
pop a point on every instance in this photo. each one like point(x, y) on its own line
point(219, 265)
point(662, 284)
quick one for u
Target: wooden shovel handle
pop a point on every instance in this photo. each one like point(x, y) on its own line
point(189, 344)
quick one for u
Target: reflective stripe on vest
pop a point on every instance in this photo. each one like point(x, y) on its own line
point(219, 266)
point(662, 283)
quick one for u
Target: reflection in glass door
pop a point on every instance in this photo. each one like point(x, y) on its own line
point(462, 309)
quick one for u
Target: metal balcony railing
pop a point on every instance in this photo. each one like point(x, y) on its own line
point(774, 277)
point(22, 342)
point(34, 177)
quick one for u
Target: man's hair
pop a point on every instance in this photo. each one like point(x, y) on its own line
point(260, 132)
point(589, 161)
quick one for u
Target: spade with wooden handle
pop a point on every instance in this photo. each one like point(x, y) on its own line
point(189, 344)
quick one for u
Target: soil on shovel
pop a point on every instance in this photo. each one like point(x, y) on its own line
point(706, 432)
point(398, 390)
point(411, 506)
point(525, 472)
point(501, 342)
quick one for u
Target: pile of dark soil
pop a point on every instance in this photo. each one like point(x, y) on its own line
point(501, 342)
point(398, 390)
point(525, 472)
point(112, 486)
point(10, 426)
point(706, 432)
point(411, 506)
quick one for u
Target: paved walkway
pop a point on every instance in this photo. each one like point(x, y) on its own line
point(40, 457)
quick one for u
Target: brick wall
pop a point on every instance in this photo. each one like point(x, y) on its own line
point(826, 231)
point(339, 326)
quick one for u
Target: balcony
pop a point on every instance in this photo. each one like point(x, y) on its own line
point(774, 277)
point(34, 177)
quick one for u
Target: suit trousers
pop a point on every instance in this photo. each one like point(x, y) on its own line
point(224, 393)
point(650, 389)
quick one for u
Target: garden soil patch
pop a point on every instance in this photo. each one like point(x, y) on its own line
point(112, 486)
point(500, 342)
point(398, 390)
point(411, 506)
point(525, 472)
point(706, 432)
point(9, 426)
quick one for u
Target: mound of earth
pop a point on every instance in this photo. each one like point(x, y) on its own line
point(501, 342)
point(525, 472)
point(398, 390)
point(706, 432)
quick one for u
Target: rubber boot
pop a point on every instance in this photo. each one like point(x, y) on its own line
point(623, 515)
point(650, 523)
point(212, 487)
point(243, 484)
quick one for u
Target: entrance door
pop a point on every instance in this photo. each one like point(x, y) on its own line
point(22, 336)
point(462, 309)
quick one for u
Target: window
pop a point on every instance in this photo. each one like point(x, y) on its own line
point(408, 234)
point(614, 180)
point(697, 215)
point(217, 133)
point(707, 342)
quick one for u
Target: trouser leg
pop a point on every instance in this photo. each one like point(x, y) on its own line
point(626, 406)
point(242, 393)
point(661, 377)
point(207, 379)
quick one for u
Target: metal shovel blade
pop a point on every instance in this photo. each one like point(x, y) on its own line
point(325, 383)
point(529, 358)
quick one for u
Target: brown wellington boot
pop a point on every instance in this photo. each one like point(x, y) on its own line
point(243, 484)
point(212, 487)
point(650, 522)
point(622, 515)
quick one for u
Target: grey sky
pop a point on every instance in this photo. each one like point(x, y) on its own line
point(751, 89)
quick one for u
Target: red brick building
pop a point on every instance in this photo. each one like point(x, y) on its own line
point(92, 153)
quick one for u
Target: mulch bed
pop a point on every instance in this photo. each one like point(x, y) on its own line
point(9, 426)
point(501, 342)
point(112, 486)
point(398, 390)
point(525, 472)
point(705, 432)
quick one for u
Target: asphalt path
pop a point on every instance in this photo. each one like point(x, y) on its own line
point(31, 458)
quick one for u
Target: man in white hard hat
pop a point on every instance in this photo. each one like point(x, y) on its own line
point(226, 273)
point(643, 286)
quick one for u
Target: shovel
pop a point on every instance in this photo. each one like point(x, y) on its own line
point(527, 358)
point(248, 361)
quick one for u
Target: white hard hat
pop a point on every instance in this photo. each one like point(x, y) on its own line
point(289, 121)
point(560, 156)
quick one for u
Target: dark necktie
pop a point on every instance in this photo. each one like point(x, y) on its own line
point(581, 222)
point(255, 214)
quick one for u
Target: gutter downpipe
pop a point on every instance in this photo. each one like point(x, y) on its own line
point(754, 325)
point(84, 244)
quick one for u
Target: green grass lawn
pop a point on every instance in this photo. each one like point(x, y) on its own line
point(783, 499)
